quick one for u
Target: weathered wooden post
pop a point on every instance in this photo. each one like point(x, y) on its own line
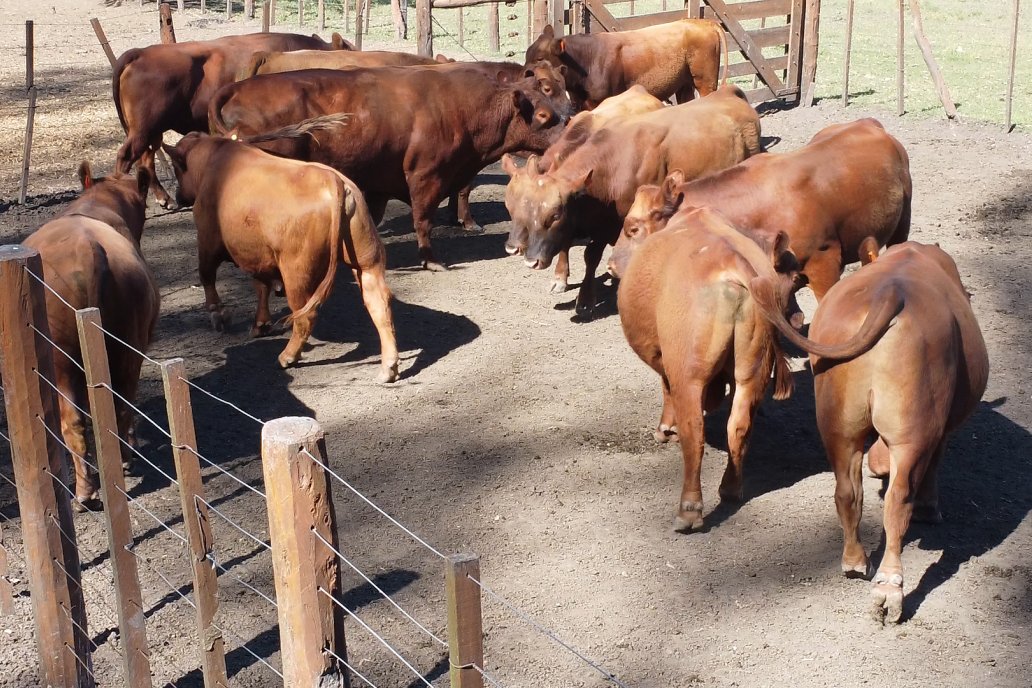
point(493, 41)
point(104, 43)
point(465, 620)
point(849, 52)
point(1013, 57)
point(168, 31)
point(266, 13)
point(941, 89)
point(358, 23)
point(131, 622)
point(541, 18)
point(811, 42)
point(306, 571)
point(52, 559)
point(322, 15)
point(195, 517)
point(249, 9)
point(30, 119)
point(424, 29)
point(900, 98)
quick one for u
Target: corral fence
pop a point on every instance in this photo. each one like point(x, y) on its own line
point(306, 557)
point(776, 39)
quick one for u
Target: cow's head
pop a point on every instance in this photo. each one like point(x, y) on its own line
point(650, 212)
point(535, 123)
point(787, 276)
point(121, 193)
point(189, 160)
point(538, 203)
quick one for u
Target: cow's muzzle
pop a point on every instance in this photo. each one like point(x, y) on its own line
point(513, 249)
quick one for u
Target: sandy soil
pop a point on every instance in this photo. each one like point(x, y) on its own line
point(525, 437)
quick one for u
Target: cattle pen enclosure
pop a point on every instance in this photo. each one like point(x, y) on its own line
point(525, 437)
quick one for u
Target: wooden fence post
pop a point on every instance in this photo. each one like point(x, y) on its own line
point(424, 29)
point(1013, 57)
point(306, 571)
point(493, 41)
point(300, 12)
point(97, 29)
point(272, 12)
point(811, 42)
point(941, 88)
point(249, 9)
point(6, 589)
point(462, 27)
point(168, 31)
point(848, 54)
point(559, 17)
point(358, 23)
point(30, 116)
point(131, 622)
point(195, 517)
point(52, 558)
point(266, 12)
point(900, 106)
point(229, 9)
point(465, 620)
point(541, 18)
point(322, 15)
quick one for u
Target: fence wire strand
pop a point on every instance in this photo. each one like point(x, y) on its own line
point(219, 399)
point(60, 440)
point(156, 519)
point(140, 454)
point(378, 589)
point(227, 519)
point(46, 286)
point(355, 671)
point(222, 470)
point(365, 499)
point(223, 569)
point(126, 345)
point(376, 635)
point(54, 344)
point(62, 394)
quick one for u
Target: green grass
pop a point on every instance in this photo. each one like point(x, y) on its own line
point(970, 40)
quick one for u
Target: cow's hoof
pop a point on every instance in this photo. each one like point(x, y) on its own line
point(473, 228)
point(689, 518)
point(666, 433)
point(732, 493)
point(887, 598)
point(261, 330)
point(286, 361)
point(83, 504)
point(585, 313)
point(926, 513)
point(389, 373)
point(219, 320)
point(559, 287)
point(434, 266)
point(277, 288)
point(856, 569)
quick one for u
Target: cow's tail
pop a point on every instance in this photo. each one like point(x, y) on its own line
point(306, 127)
point(338, 215)
point(127, 58)
point(889, 302)
point(216, 123)
point(253, 65)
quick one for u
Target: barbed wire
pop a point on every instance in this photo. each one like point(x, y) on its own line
point(368, 501)
point(376, 635)
point(378, 589)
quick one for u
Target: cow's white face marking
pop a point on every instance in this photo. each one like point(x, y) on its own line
point(541, 182)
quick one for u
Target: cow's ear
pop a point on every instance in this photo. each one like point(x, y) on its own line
point(781, 255)
point(532, 164)
point(143, 180)
point(672, 181)
point(519, 100)
point(562, 70)
point(548, 32)
point(85, 175)
point(509, 165)
point(581, 185)
point(174, 155)
point(868, 250)
point(561, 46)
point(443, 59)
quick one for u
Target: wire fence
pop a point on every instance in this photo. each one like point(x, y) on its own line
point(240, 555)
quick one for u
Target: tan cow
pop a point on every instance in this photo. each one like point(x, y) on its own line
point(687, 311)
point(672, 59)
point(850, 182)
point(91, 258)
point(590, 191)
point(896, 353)
point(282, 221)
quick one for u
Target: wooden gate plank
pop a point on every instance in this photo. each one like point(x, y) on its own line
point(602, 15)
point(748, 46)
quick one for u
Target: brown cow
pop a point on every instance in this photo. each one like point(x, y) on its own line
point(287, 226)
point(851, 181)
point(900, 356)
point(592, 189)
point(295, 60)
point(687, 311)
point(417, 134)
point(162, 87)
point(673, 59)
point(91, 258)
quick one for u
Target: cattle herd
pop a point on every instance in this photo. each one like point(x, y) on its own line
point(293, 146)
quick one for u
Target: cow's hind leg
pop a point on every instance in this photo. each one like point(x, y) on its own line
point(845, 453)
point(73, 430)
point(147, 162)
point(210, 253)
point(667, 429)
point(687, 398)
point(748, 393)
point(297, 297)
point(586, 295)
point(377, 298)
point(908, 464)
point(926, 504)
point(459, 212)
point(561, 281)
point(263, 317)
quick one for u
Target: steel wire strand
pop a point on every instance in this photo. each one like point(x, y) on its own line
point(378, 589)
point(368, 501)
point(241, 529)
point(355, 671)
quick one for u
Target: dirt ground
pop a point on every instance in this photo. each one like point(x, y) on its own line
point(526, 437)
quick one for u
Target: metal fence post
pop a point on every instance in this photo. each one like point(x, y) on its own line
point(306, 571)
point(52, 557)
